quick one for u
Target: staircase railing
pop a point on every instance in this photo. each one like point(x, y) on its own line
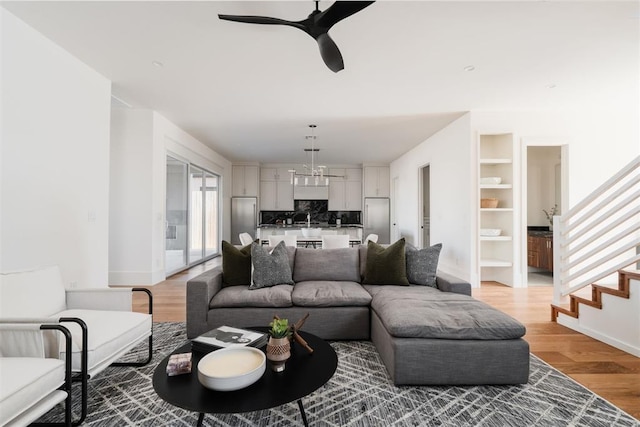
point(598, 236)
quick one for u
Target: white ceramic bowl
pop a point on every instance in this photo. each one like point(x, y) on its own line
point(491, 180)
point(492, 232)
point(311, 232)
point(231, 368)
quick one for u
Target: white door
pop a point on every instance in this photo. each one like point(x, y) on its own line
point(395, 227)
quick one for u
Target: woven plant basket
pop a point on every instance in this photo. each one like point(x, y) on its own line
point(488, 203)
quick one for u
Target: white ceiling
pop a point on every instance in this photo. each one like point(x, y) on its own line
point(249, 91)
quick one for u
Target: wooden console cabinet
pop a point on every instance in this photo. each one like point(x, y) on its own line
point(540, 251)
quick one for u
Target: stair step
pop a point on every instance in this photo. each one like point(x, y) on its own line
point(586, 301)
point(581, 296)
point(555, 309)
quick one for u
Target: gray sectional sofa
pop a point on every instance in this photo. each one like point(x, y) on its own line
point(425, 335)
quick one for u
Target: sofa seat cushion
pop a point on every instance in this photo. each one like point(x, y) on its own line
point(25, 381)
point(242, 296)
point(340, 264)
point(423, 312)
point(327, 293)
point(110, 333)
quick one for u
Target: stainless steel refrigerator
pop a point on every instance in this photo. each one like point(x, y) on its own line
point(244, 217)
point(376, 218)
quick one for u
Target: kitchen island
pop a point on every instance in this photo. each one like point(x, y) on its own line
point(353, 230)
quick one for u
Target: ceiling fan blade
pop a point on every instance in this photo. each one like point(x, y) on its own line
point(338, 11)
point(330, 53)
point(257, 20)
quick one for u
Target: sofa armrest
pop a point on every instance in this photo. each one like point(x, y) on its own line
point(448, 283)
point(200, 290)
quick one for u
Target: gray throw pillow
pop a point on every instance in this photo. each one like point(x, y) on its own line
point(270, 268)
point(422, 264)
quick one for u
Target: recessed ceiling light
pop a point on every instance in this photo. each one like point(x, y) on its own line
point(469, 68)
point(157, 64)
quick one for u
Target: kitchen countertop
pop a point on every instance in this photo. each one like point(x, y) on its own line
point(540, 233)
point(299, 226)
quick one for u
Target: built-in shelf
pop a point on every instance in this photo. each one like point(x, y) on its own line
point(496, 209)
point(496, 186)
point(496, 238)
point(495, 263)
point(497, 254)
point(495, 161)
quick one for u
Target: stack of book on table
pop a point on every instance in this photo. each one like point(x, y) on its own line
point(226, 336)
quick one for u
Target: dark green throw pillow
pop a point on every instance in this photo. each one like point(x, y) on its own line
point(386, 266)
point(236, 265)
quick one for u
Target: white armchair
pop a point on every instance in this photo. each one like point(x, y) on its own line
point(102, 325)
point(31, 384)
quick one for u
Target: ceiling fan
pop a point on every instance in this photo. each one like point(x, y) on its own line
point(317, 25)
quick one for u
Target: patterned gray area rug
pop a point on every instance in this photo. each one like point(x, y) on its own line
point(359, 394)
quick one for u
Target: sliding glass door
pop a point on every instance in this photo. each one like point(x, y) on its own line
point(176, 216)
point(196, 212)
point(211, 214)
point(192, 215)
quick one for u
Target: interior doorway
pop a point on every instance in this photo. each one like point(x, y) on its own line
point(425, 196)
point(544, 197)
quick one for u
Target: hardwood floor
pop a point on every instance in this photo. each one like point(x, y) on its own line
point(607, 371)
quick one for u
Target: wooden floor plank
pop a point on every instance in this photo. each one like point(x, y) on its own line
point(607, 371)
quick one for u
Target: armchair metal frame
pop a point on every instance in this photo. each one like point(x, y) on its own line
point(83, 376)
point(68, 376)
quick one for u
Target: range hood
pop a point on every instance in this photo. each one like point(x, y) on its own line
point(310, 193)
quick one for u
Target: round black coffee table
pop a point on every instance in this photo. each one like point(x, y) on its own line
point(304, 374)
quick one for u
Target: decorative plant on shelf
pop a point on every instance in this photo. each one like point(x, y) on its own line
point(550, 214)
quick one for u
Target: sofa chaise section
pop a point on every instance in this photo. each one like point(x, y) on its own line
point(425, 336)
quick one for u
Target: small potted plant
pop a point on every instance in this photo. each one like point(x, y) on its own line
point(279, 346)
point(550, 214)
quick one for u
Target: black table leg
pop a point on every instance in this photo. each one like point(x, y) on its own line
point(304, 416)
point(200, 419)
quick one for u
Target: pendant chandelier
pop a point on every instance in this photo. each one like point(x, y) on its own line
point(313, 175)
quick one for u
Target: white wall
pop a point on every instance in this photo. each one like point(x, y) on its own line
point(131, 216)
point(448, 153)
point(55, 158)
point(541, 183)
point(599, 144)
point(140, 142)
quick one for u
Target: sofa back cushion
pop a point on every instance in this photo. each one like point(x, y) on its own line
point(327, 264)
point(32, 293)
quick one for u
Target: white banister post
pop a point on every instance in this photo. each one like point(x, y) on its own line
point(558, 270)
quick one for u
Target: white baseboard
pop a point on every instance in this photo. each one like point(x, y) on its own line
point(574, 324)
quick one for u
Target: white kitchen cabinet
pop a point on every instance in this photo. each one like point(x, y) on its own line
point(345, 192)
point(244, 181)
point(336, 196)
point(496, 180)
point(275, 174)
point(376, 181)
point(276, 196)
